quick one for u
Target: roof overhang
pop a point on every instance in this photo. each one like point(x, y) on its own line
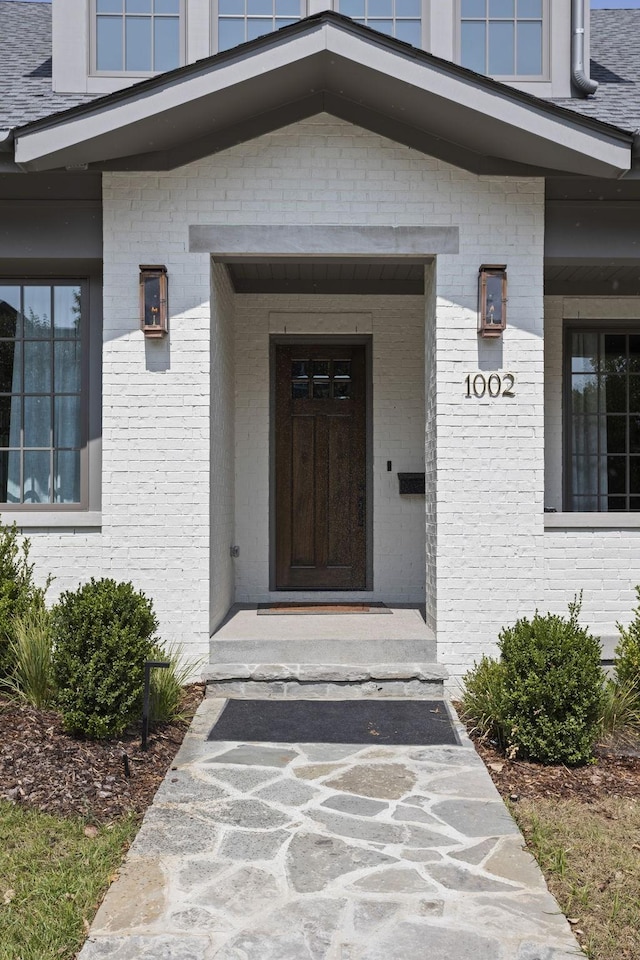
point(325, 63)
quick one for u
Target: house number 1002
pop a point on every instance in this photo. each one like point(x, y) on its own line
point(496, 385)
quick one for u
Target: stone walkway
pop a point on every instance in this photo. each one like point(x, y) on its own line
point(325, 852)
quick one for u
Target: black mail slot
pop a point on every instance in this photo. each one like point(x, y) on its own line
point(411, 483)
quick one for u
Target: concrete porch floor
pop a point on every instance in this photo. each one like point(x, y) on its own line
point(391, 653)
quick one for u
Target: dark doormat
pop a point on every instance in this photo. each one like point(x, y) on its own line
point(401, 722)
point(283, 609)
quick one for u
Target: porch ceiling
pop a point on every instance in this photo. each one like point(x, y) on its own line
point(325, 63)
point(344, 276)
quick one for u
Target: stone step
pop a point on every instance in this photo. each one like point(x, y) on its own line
point(331, 681)
point(419, 649)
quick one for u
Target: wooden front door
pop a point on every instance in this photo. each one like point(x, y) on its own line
point(320, 467)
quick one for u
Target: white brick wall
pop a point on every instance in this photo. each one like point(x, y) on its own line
point(161, 422)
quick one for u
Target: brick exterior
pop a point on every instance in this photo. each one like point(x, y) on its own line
point(175, 411)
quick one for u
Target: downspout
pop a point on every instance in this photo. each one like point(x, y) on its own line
point(580, 79)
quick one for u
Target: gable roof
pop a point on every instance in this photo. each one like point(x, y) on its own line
point(25, 65)
point(326, 62)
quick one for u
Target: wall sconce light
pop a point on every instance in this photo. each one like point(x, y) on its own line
point(154, 311)
point(492, 299)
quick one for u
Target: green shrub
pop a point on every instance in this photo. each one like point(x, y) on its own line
point(620, 712)
point(18, 593)
point(167, 684)
point(103, 632)
point(31, 656)
point(483, 700)
point(553, 688)
point(543, 700)
point(626, 664)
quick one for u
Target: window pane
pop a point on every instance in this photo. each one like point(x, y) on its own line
point(634, 474)
point(472, 50)
point(10, 488)
point(10, 366)
point(166, 51)
point(382, 26)
point(380, 8)
point(634, 394)
point(233, 7)
point(410, 31)
point(167, 6)
point(258, 27)
point(109, 6)
point(585, 476)
point(586, 437)
point(613, 390)
point(67, 476)
point(10, 421)
point(138, 6)
point(529, 55)
point(37, 366)
point(584, 393)
point(67, 367)
point(501, 49)
point(109, 43)
point(634, 352)
point(66, 422)
point(352, 8)
point(66, 311)
point(502, 8)
point(37, 311)
point(258, 8)
point(474, 8)
point(616, 475)
point(634, 434)
point(138, 44)
point(37, 476)
point(37, 421)
point(616, 438)
point(530, 8)
point(230, 33)
point(584, 352)
point(283, 22)
point(614, 352)
point(288, 8)
point(9, 311)
point(409, 8)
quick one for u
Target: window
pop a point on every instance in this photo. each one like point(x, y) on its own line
point(603, 420)
point(137, 36)
point(502, 38)
point(242, 20)
point(397, 18)
point(42, 392)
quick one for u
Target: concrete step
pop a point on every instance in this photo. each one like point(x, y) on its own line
point(317, 651)
point(330, 681)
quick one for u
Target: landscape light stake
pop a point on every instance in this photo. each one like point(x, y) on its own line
point(148, 667)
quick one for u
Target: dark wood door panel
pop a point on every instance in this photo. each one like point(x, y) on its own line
point(320, 467)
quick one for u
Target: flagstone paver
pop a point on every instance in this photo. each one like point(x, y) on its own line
point(327, 852)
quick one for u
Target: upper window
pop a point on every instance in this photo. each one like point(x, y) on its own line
point(137, 36)
point(502, 38)
point(42, 392)
point(603, 420)
point(242, 20)
point(397, 18)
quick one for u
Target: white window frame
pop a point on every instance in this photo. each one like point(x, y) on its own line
point(543, 77)
point(93, 46)
point(424, 23)
point(304, 12)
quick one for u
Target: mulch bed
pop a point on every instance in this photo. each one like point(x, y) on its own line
point(43, 767)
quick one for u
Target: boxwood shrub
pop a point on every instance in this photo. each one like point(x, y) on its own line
point(103, 632)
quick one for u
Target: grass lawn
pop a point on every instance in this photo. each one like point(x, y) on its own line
point(53, 876)
point(590, 856)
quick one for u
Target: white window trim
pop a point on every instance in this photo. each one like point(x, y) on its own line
point(544, 77)
point(93, 47)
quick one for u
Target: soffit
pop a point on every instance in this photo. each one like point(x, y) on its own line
point(325, 63)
